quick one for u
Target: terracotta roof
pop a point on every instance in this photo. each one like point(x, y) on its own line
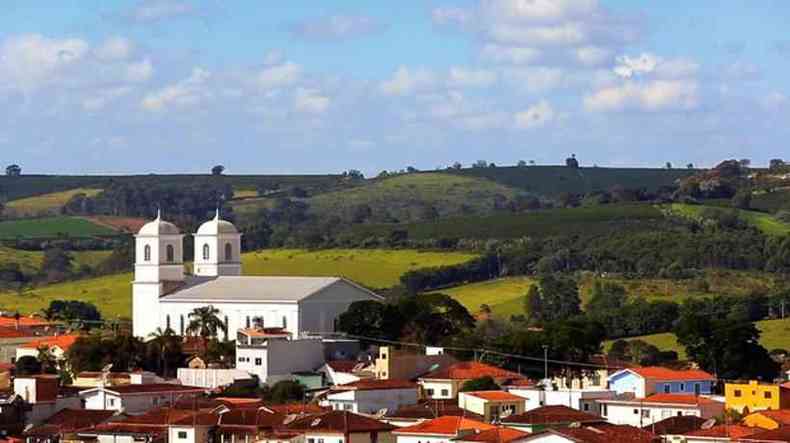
point(447, 425)
point(239, 402)
point(156, 421)
point(660, 373)
point(430, 409)
point(605, 433)
point(553, 414)
point(149, 388)
point(375, 385)
point(265, 332)
point(296, 408)
point(778, 435)
point(676, 425)
point(521, 382)
point(11, 322)
point(343, 365)
point(468, 370)
point(98, 375)
point(64, 342)
point(735, 431)
point(781, 416)
point(495, 395)
point(257, 418)
point(342, 422)
point(71, 420)
point(498, 435)
point(7, 332)
point(678, 399)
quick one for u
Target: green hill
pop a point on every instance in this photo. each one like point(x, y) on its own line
point(52, 227)
point(30, 261)
point(372, 268)
point(46, 203)
point(505, 296)
point(766, 223)
point(553, 180)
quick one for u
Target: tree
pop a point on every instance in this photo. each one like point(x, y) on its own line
point(286, 391)
point(457, 166)
point(205, 323)
point(532, 163)
point(606, 296)
point(480, 164)
point(433, 318)
point(411, 169)
point(13, 170)
point(217, 170)
point(486, 383)
point(167, 344)
point(370, 318)
point(72, 311)
point(668, 165)
point(742, 199)
point(776, 165)
point(689, 165)
point(521, 164)
point(555, 297)
point(27, 365)
point(49, 365)
point(571, 162)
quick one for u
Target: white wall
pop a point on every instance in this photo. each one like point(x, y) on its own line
point(110, 438)
point(370, 402)
point(421, 439)
point(199, 434)
point(449, 388)
point(319, 311)
point(237, 314)
point(138, 403)
point(280, 357)
point(624, 414)
point(210, 378)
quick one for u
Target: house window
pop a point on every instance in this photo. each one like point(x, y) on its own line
point(182, 324)
point(227, 328)
point(248, 322)
point(167, 322)
point(347, 407)
point(285, 322)
point(258, 361)
point(445, 392)
point(429, 392)
point(112, 402)
point(586, 407)
point(737, 393)
point(182, 435)
point(147, 253)
point(320, 440)
point(171, 254)
point(604, 410)
point(682, 387)
point(206, 251)
point(680, 413)
point(697, 388)
point(768, 394)
point(645, 413)
point(310, 440)
point(228, 252)
point(666, 389)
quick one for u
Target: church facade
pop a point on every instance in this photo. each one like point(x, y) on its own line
point(164, 295)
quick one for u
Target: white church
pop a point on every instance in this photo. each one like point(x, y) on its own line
point(163, 295)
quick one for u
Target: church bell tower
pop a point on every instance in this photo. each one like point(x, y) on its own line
point(217, 248)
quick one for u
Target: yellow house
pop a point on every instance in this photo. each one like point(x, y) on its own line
point(768, 419)
point(754, 396)
point(491, 405)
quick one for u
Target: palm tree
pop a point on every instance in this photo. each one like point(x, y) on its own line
point(205, 323)
point(165, 341)
point(48, 361)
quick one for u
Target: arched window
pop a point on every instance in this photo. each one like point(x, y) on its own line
point(171, 254)
point(167, 322)
point(227, 328)
point(228, 252)
point(182, 324)
point(285, 322)
point(147, 253)
point(248, 322)
point(206, 251)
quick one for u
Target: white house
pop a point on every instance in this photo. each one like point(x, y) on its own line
point(645, 411)
point(134, 398)
point(56, 345)
point(445, 383)
point(372, 396)
point(272, 355)
point(550, 417)
point(211, 378)
point(584, 399)
point(340, 427)
point(649, 380)
point(159, 424)
point(163, 296)
point(593, 433)
point(342, 372)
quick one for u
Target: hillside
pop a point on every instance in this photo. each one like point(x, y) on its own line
point(604, 219)
point(505, 296)
point(52, 227)
point(30, 261)
point(766, 223)
point(45, 204)
point(553, 180)
point(371, 268)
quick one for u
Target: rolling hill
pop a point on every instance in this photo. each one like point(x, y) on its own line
point(52, 227)
point(766, 223)
point(45, 204)
point(505, 296)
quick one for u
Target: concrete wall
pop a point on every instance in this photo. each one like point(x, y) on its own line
point(440, 389)
point(280, 358)
point(237, 314)
point(370, 402)
point(319, 311)
point(210, 378)
point(132, 404)
point(642, 415)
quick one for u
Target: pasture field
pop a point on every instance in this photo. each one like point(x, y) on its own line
point(603, 219)
point(30, 261)
point(554, 180)
point(51, 227)
point(766, 223)
point(771, 201)
point(47, 203)
point(505, 296)
point(371, 268)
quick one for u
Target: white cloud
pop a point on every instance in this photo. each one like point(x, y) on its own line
point(653, 95)
point(460, 17)
point(538, 10)
point(464, 77)
point(556, 35)
point(152, 11)
point(536, 116)
point(279, 75)
point(628, 67)
point(535, 79)
point(115, 48)
point(592, 55)
point(99, 100)
point(188, 92)
point(405, 81)
point(310, 101)
point(139, 71)
point(509, 54)
point(28, 62)
point(337, 27)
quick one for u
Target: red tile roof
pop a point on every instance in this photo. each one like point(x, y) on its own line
point(469, 370)
point(778, 435)
point(495, 395)
point(781, 416)
point(498, 435)
point(63, 342)
point(554, 414)
point(375, 385)
point(296, 408)
point(678, 399)
point(431, 409)
point(447, 425)
point(156, 422)
point(606, 433)
point(70, 420)
point(337, 422)
point(250, 419)
point(343, 365)
point(265, 332)
point(11, 322)
point(659, 373)
point(150, 388)
point(735, 431)
point(521, 383)
point(7, 332)
point(676, 425)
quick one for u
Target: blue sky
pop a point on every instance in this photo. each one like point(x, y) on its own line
point(90, 86)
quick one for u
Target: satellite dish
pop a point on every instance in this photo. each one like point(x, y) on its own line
point(107, 368)
point(382, 412)
point(575, 424)
point(708, 424)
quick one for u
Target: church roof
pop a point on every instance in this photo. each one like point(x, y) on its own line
point(217, 226)
point(250, 289)
point(158, 227)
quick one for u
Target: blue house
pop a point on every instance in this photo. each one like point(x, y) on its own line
point(646, 381)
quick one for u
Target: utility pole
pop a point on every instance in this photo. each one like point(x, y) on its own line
point(545, 363)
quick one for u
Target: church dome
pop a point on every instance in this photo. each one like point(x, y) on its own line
point(159, 227)
point(217, 226)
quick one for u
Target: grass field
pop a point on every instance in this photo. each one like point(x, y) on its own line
point(51, 227)
point(30, 261)
point(764, 222)
point(775, 334)
point(505, 296)
point(553, 180)
point(771, 201)
point(372, 268)
point(603, 219)
point(46, 203)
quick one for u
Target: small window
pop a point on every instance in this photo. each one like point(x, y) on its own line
point(445, 392)
point(167, 321)
point(182, 435)
point(248, 322)
point(206, 251)
point(680, 413)
point(112, 402)
point(182, 324)
point(737, 393)
point(429, 392)
point(604, 410)
point(586, 407)
point(228, 252)
point(171, 254)
point(227, 328)
point(666, 389)
point(347, 407)
point(147, 253)
point(258, 362)
point(310, 440)
point(768, 394)
point(682, 387)
point(646, 413)
point(285, 322)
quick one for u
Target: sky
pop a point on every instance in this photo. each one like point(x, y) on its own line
point(142, 86)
